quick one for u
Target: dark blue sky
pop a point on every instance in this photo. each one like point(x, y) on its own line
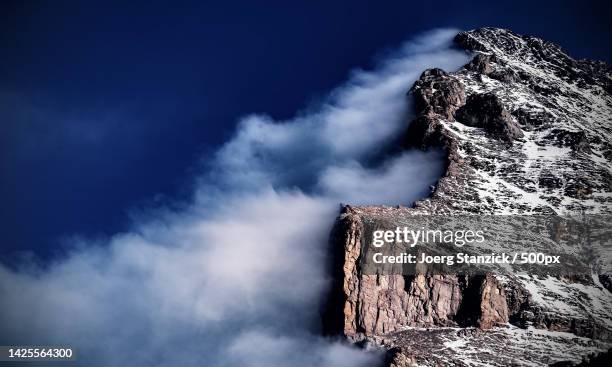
point(109, 106)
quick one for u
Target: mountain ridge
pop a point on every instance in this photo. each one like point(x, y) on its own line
point(527, 131)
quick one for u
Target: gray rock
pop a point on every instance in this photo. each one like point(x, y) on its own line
point(527, 130)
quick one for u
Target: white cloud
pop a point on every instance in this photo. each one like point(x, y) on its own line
point(399, 180)
point(237, 279)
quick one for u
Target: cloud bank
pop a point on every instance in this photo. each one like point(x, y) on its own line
point(237, 279)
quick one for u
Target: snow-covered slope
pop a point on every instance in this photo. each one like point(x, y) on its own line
point(527, 131)
point(534, 134)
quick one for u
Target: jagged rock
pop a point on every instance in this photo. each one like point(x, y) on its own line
point(606, 281)
point(486, 111)
point(530, 119)
point(505, 75)
point(575, 140)
point(579, 189)
point(560, 106)
point(379, 304)
point(425, 131)
point(556, 113)
point(594, 360)
point(504, 346)
point(481, 63)
point(436, 92)
point(401, 357)
point(493, 304)
point(548, 180)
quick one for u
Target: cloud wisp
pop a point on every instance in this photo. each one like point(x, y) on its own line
point(237, 279)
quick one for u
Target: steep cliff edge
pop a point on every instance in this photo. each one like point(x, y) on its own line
point(527, 131)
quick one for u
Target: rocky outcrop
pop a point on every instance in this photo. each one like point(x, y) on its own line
point(521, 110)
point(438, 93)
point(493, 303)
point(527, 130)
point(437, 96)
point(381, 304)
point(486, 111)
point(498, 347)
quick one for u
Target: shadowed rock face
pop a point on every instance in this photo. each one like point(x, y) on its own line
point(487, 112)
point(436, 92)
point(527, 130)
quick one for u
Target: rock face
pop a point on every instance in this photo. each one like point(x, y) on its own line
point(527, 130)
point(438, 93)
point(487, 112)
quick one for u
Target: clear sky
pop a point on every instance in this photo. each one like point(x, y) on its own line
point(109, 106)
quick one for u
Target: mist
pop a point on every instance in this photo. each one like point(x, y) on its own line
point(238, 277)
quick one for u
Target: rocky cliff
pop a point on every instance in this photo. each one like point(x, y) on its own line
point(527, 131)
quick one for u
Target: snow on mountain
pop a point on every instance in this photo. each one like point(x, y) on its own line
point(527, 131)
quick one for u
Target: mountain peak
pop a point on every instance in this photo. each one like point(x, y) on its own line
point(537, 53)
point(525, 125)
point(527, 130)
